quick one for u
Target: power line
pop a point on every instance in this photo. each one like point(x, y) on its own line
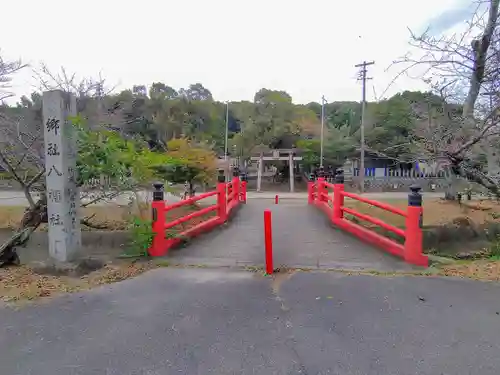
point(363, 78)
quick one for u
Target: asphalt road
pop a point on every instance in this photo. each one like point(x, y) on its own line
point(201, 321)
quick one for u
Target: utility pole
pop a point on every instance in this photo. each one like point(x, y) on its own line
point(363, 78)
point(322, 129)
point(227, 130)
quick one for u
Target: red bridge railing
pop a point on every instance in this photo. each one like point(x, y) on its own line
point(330, 199)
point(228, 196)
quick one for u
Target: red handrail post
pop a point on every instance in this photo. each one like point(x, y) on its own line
point(338, 197)
point(229, 190)
point(320, 186)
point(236, 186)
point(320, 190)
point(159, 243)
point(413, 233)
point(310, 192)
point(221, 197)
point(268, 242)
point(243, 192)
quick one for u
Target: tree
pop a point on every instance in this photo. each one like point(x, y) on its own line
point(460, 67)
point(272, 97)
point(139, 90)
point(134, 116)
point(195, 163)
point(196, 92)
point(159, 90)
point(127, 163)
point(338, 146)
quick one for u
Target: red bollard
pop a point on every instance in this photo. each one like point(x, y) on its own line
point(268, 238)
point(276, 199)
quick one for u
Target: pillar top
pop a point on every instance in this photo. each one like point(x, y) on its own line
point(158, 185)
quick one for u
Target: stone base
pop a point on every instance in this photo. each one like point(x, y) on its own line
point(78, 268)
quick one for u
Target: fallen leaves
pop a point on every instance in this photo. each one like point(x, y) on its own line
point(480, 269)
point(22, 284)
point(436, 211)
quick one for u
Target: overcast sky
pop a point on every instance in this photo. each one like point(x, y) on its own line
point(233, 47)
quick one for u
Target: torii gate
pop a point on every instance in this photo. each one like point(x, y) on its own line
point(277, 155)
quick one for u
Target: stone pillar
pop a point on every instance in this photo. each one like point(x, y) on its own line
point(493, 162)
point(259, 171)
point(292, 170)
point(63, 196)
point(348, 170)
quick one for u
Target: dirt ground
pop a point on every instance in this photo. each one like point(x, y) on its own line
point(115, 217)
point(479, 269)
point(21, 284)
point(436, 211)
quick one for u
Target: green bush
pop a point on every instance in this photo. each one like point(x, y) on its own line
point(141, 237)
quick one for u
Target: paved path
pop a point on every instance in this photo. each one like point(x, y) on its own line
point(199, 321)
point(302, 237)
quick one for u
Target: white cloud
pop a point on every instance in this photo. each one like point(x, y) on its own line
point(456, 15)
point(233, 47)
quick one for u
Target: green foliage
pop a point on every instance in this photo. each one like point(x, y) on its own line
point(141, 237)
point(311, 151)
point(494, 249)
point(271, 119)
point(337, 147)
point(126, 162)
point(196, 92)
point(272, 97)
point(193, 162)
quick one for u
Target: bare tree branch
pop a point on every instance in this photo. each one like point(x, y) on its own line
point(7, 70)
point(460, 126)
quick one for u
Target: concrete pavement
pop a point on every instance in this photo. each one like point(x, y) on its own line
point(302, 237)
point(201, 321)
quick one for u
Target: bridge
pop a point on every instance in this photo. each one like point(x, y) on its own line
point(317, 233)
